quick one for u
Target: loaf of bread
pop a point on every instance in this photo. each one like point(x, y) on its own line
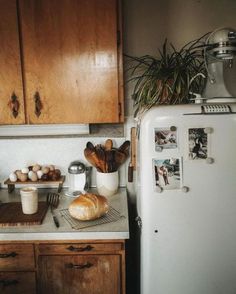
point(88, 207)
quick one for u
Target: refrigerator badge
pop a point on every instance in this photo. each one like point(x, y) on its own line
point(165, 138)
point(167, 174)
point(198, 143)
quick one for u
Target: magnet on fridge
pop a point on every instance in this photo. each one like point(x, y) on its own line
point(209, 160)
point(185, 189)
point(208, 130)
point(159, 189)
point(173, 128)
point(159, 148)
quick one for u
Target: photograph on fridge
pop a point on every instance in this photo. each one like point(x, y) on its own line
point(167, 173)
point(165, 139)
point(197, 143)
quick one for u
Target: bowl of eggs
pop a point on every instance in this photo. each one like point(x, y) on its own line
point(35, 173)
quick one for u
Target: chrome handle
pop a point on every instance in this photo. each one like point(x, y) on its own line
point(80, 249)
point(38, 104)
point(14, 105)
point(79, 266)
point(6, 255)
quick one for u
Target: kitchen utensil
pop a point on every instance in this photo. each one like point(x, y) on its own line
point(100, 152)
point(53, 201)
point(108, 144)
point(11, 214)
point(92, 158)
point(132, 164)
point(78, 178)
point(124, 148)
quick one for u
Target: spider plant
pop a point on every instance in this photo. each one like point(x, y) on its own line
point(170, 78)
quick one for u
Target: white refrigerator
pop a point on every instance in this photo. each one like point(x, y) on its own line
point(186, 199)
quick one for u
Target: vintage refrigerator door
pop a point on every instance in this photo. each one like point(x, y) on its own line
point(188, 240)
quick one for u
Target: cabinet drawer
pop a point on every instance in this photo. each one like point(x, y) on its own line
point(16, 257)
point(85, 274)
point(17, 283)
point(78, 248)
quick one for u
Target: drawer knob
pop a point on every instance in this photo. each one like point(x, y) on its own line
point(14, 105)
point(38, 104)
point(6, 255)
point(79, 266)
point(80, 249)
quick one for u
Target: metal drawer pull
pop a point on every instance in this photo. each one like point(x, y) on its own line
point(38, 104)
point(14, 105)
point(79, 266)
point(79, 249)
point(6, 283)
point(6, 255)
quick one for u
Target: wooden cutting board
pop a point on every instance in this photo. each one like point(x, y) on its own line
point(11, 214)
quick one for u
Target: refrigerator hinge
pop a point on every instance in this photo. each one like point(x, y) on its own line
point(139, 221)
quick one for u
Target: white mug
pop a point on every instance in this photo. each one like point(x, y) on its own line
point(29, 200)
point(107, 183)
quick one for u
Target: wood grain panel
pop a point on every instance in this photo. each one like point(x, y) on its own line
point(79, 248)
point(16, 257)
point(17, 283)
point(10, 65)
point(70, 58)
point(62, 274)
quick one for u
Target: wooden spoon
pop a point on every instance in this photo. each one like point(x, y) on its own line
point(108, 144)
point(92, 158)
point(124, 148)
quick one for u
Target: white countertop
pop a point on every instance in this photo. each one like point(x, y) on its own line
point(48, 231)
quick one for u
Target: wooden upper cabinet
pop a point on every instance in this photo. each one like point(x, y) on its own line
point(11, 89)
point(71, 60)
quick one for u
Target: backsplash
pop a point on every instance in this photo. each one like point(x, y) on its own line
point(18, 153)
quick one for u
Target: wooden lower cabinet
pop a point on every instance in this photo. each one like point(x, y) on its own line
point(53, 267)
point(17, 283)
point(85, 274)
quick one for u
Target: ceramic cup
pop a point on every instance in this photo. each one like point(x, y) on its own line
point(29, 200)
point(107, 183)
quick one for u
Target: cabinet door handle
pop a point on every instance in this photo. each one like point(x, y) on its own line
point(6, 255)
point(6, 283)
point(79, 266)
point(38, 104)
point(80, 249)
point(14, 105)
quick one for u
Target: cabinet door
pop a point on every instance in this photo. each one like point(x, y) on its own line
point(70, 55)
point(11, 90)
point(87, 274)
point(17, 283)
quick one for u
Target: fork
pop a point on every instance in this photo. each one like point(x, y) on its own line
point(53, 201)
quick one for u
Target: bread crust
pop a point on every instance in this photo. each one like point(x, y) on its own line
point(88, 207)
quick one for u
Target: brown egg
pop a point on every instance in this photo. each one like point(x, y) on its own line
point(18, 173)
point(45, 177)
point(23, 177)
point(58, 172)
point(36, 167)
point(55, 176)
point(34, 177)
point(45, 169)
point(51, 167)
point(50, 174)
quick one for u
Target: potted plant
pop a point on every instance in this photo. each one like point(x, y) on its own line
point(170, 78)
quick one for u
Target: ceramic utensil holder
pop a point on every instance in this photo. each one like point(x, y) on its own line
point(29, 200)
point(107, 183)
